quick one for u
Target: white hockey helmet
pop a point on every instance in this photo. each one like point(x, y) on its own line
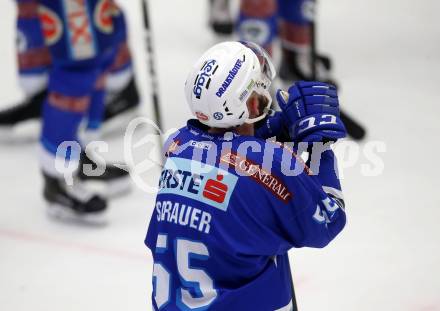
point(222, 80)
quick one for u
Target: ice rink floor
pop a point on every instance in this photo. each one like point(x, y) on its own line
point(387, 59)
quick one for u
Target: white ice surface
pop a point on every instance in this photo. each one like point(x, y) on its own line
point(387, 59)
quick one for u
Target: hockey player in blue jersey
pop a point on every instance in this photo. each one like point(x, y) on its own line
point(231, 202)
point(35, 63)
point(83, 38)
point(262, 21)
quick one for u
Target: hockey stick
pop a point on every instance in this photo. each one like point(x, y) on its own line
point(152, 71)
point(294, 304)
point(354, 129)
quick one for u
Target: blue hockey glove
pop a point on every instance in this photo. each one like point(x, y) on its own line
point(311, 110)
point(272, 126)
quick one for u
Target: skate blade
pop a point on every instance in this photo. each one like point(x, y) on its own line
point(110, 189)
point(66, 215)
point(22, 133)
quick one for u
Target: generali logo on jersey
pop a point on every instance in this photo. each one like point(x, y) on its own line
point(248, 168)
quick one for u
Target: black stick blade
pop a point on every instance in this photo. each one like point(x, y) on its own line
point(354, 129)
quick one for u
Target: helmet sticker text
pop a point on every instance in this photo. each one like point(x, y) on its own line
point(232, 73)
point(203, 78)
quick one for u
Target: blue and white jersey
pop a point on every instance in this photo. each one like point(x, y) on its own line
point(80, 32)
point(228, 209)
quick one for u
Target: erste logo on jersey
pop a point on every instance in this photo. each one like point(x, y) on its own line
point(201, 182)
point(203, 79)
point(51, 25)
point(104, 12)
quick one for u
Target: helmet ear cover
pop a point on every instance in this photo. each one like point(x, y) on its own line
point(264, 107)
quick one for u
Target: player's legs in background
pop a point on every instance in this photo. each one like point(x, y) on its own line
point(67, 103)
point(115, 180)
point(220, 17)
point(122, 96)
point(296, 39)
point(33, 58)
point(258, 22)
point(295, 29)
point(34, 61)
point(81, 55)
